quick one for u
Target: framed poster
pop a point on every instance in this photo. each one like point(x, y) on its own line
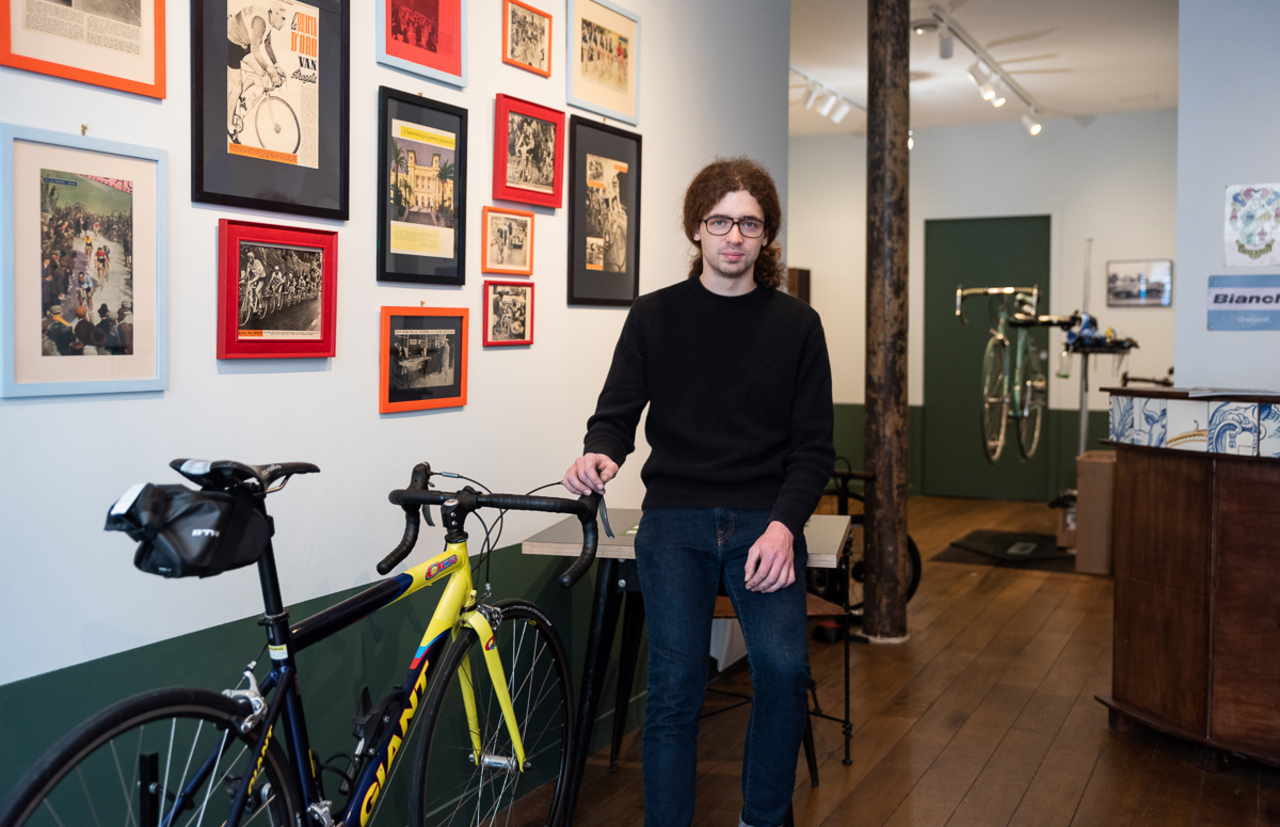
point(507, 240)
point(269, 105)
point(508, 313)
point(604, 214)
point(277, 291)
point(603, 53)
point(424, 358)
point(422, 190)
point(84, 235)
point(526, 37)
point(528, 148)
point(427, 38)
point(119, 45)
point(1140, 283)
point(1250, 225)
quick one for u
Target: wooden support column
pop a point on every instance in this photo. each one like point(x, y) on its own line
point(888, 119)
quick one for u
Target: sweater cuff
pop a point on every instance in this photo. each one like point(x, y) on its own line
point(609, 449)
point(791, 514)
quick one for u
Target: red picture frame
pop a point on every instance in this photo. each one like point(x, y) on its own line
point(277, 291)
point(423, 358)
point(512, 52)
point(525, 169)
point(508, 313)
point(506, 250)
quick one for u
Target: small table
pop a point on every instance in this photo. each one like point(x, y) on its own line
point(826, 537)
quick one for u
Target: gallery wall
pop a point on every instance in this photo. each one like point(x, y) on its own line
point(1112, 178)
point(65, 460)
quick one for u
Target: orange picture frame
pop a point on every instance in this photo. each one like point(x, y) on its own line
point(513, 49)
point(506, 241)
point(423, 358)
point(19, 58)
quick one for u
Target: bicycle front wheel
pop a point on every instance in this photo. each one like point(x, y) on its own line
point(172, 756)
point(1035, 392)
point(450, 787)
point(277, 125)
point(858, 571)
point(995, 400)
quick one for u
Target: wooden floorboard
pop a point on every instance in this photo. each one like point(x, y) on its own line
point(985, 717)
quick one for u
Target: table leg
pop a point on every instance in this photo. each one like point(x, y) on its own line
point(632, 625)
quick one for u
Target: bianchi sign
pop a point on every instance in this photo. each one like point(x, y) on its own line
point(1244, 302)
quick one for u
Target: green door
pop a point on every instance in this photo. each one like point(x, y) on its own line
point(977, 252)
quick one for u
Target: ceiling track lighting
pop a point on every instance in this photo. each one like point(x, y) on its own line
point(841, 111)
point(1032, 125)
point(811, 97)
point(828, 104)
point(827, 101)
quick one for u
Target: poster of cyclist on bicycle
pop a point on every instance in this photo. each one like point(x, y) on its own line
point(273, 81)
point(280, 292)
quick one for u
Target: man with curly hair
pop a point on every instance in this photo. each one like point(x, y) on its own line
point(737, 380)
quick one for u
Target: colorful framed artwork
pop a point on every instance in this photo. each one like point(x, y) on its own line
point(508, 313)
point(424, 358)
point(603, 55)
point(422, 190)
point(1140, 283)
point(270, 105)
point(604, 214)
point(528, 150)
point(507, 241)
point(84, 230)
point(526, 37)
point(277, 291)
point(119, 45)
point(427, 38)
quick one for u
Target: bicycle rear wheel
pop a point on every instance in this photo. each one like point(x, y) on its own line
point(277, 125)
point(858, 571)
point(995, 401)
point(172, 756)
point(1035, 392)
point(449, 788)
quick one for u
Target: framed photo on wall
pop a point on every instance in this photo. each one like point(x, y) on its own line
point(604, 214)
point(422, 190)
point(427, 38)
point(424, 358)
point(269, 113)
point(528, 150)
point(507, 240)
point(1140, 283)
point(603, 53)
point(526, 37)
point(84, 273)
point(119, 45)
point(508, 313)
point(277, 291)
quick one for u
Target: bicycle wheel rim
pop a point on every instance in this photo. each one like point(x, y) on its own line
point(858, 569)
point(995, 403)
point(449, 789)
point(1034, 393)
point(277, 126)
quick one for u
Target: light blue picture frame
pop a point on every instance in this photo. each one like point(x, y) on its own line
point(9, 386)
point(570, 62)
point(380, 33)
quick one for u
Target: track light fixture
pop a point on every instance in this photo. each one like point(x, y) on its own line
point(911, 139)
point(999, 99)
point(825, 100)
point(841, 111)
point(946, 45)
point(811, 97)
point(1032, 125)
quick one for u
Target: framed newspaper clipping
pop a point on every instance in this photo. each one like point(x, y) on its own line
point(603, 54)
point(270, 103)
point(528, 152)
point(424, 358)
point(427, 38)
point(604, 214)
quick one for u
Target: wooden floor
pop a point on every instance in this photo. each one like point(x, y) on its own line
point(985, 717)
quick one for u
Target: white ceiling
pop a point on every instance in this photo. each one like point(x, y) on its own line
point(1076, 58)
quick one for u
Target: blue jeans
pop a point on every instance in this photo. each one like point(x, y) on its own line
point(682, 555)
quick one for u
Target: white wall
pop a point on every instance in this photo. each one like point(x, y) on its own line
point(713, 81)
point(1224, 137)
point(1113, 180)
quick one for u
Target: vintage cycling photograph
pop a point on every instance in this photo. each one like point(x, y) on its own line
point(508, 313)
point(507, 240)
point(526, 37)
point(528, 150)
point(424, 358)
point(606, 214)
point(602, 58)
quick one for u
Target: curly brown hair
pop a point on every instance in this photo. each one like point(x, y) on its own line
point(716, 180)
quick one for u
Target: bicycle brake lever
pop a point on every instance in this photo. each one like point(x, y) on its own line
point(426, 515)
point(603, 511)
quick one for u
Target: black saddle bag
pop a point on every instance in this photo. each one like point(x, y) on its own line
point(186, 533)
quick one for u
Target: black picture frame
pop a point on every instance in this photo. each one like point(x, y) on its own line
point(594, 279)
point(397, 262)
point(224, 171)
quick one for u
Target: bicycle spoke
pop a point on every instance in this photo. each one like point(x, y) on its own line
point(53, 813)
point(128, 803)
point(87, 797)
point(209, 789)
point(173, 811)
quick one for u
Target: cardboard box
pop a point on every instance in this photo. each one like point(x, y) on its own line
point(1095, 480)
point(1067, 527)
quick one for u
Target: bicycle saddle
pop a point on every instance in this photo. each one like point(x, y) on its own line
point(222, 473)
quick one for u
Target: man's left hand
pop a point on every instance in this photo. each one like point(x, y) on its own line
point(771, 561)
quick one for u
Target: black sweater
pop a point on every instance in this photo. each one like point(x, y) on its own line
point(739, 390)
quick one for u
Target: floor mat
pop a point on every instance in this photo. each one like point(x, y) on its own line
point(1010, 548)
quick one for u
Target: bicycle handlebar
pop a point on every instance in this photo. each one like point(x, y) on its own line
point(1033, 293)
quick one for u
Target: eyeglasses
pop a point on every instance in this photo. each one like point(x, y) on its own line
point(721, 225)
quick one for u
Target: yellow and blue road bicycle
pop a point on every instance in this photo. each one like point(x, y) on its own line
point(490, 683)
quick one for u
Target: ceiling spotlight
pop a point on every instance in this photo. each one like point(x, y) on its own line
point(1032, 125)
point(828, 103)
point(946, 45)
point(999, 99)
point(980, 75)
point(924, 25)
point(911, 139)
point(812, 97)
point(841, 111)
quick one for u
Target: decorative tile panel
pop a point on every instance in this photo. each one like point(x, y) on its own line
point(1188, 421)
point(1121, 420)
point(1150, 422)
point(1269, 430)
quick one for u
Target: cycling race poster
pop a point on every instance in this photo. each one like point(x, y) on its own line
point(508, 313)
point(273, 81)
point(528, 152)
point(603, 48)
point(424, 358)
point(526, 37)
point(425, 37)
point(507, 241)
point(604, 214)
point(423, 163)
point(114, 43)
point(277, 291)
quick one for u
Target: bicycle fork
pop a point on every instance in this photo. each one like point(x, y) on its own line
point(477, 620)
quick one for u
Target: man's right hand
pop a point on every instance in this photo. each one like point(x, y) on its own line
point(589, 473)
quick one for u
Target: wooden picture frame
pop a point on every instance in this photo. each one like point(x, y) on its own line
point(282, 148)
point(508, 313)
point(526, 37)
point(604, 214)
point(506, 241)
point(525, 168)
point(602, 56)
point(423, 358)
point(84, 232)
point(277, 291)
point(422, 190)
point(427, 38)
point(92, 43)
